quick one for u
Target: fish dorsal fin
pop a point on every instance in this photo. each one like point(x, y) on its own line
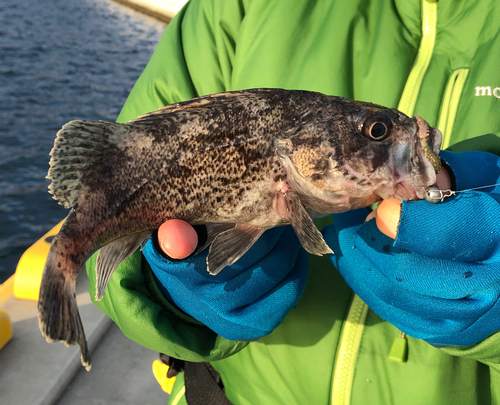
point(290, 208)
point(111, 255)
point(225, 98)
point(230, 245)
point(79, 149)
point(184, 105)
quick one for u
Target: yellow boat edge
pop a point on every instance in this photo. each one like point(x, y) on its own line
point(28, 276)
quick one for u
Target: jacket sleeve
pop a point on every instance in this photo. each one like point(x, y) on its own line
point(193, 58)
point(134, 302)
point(486, 351)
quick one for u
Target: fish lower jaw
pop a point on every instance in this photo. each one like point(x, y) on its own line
point(403, 190)
point(407, 192)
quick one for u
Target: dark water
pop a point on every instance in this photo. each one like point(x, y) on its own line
point(59, 60)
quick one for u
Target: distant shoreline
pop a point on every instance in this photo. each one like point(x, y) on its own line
point(163, 10)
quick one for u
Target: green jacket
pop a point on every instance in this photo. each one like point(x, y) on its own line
point(439, 60)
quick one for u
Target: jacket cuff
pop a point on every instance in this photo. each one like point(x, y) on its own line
point(134, 302)
point(485, 351)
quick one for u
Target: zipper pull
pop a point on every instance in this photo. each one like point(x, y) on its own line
point(399, 349)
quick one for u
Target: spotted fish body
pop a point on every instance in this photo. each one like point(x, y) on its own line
point(240, 162)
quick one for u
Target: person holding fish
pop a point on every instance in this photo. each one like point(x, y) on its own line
point(398, 305)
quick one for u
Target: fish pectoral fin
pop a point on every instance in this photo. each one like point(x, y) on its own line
point(290, 208)
point(111, 255)
point(230, 245)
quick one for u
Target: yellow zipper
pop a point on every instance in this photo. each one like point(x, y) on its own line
point(347, 352)
point(179, 395)
point(450, 104)
point(350, 340)
point(414, 81)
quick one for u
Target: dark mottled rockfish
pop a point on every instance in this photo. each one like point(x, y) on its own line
point(240, 162)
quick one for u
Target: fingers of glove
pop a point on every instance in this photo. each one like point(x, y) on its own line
point(349, 219)
point(247, 305)
point(268, 310)
point(331, 237)
point(478, 330)
point(421, 315)
point(464, 228)
point(342, 221)
point(253, 319)
point(423, 318)
point(194, 268)
point(268, 245)
point(436, 277)
point(242, 286)
point(424, 297)
point(473, 169)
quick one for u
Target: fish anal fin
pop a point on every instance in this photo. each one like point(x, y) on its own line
point(230, 245)
point(290, 208)
point(112, 254)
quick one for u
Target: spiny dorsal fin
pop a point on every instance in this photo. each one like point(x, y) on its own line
point(228, 97)
point(79, 145)
point(184, 106)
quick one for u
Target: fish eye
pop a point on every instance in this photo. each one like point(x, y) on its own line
point(378, 130)
point(376, 127)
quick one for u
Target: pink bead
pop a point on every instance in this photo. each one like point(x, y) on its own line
point(177, 238)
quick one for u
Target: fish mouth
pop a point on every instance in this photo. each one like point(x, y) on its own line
point(418, 162)
point(430, 142)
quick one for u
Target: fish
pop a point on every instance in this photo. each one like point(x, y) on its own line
point(239, 162)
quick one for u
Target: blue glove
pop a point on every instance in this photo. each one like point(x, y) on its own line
point(246, 300)
point(440, 279)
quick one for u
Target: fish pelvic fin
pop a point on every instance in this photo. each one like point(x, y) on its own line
point(111, 255)
point(58, 315)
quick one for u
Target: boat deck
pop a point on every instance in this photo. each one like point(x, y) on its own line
point(34, 372)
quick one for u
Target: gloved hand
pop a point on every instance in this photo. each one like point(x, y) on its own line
point(440, 279)
point(246, 300)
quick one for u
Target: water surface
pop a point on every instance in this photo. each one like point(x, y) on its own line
point(59, 60)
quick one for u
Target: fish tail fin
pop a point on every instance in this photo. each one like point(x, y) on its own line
point(58, 315)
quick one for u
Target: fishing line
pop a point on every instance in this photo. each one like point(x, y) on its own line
point(434, 195)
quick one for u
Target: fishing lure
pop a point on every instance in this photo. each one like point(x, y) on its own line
point(435, 194)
